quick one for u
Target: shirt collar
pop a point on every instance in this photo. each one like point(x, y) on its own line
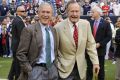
point(20, 17)
point(98, 20)
point(44, 26)
point(70, 23)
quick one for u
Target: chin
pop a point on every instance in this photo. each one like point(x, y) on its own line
point(74, 21)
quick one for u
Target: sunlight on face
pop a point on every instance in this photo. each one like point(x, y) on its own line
point(74, 12)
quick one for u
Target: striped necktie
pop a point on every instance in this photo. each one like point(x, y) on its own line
point(75, 35)
point(94, 29)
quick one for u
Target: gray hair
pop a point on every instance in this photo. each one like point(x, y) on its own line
point(98, 9)
point(44, 4)
point(71, 2)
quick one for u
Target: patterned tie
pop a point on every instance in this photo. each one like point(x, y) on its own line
point(75, 35)
point(95, 29)
point(48, 48)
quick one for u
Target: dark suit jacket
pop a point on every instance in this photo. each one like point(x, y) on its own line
point(103, 35)
point(17, 26)
point(117, 40)
point(30, 46)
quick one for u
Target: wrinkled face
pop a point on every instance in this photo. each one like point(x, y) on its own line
point(45, 14)
point(94, 14)
point(74, 12)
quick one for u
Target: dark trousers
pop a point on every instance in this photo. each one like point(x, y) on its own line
point(1, 48)
point(74, 74)
point(15, 69)
point(89, 73)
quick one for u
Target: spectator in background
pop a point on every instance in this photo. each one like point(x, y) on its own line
point(4, 8)
point(1, 50)
point(102, 35)
point(17, 26)
point(117, 26)
point(86, 7)
point(111, 8)
point(36, 6)
point(116, 9)
point(12, 7)
point(117, 54)
point(28, 21)
point(36, 18)
point(31, 11)
point(109, 52)
point(10, 38)
point(4, 36)
point(105, 9)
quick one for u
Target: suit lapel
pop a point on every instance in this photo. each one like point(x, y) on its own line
point(38, 34)
point(99, 26)
point(21, 20)
point(80, 27)
point(67, 31)
point(54, 36)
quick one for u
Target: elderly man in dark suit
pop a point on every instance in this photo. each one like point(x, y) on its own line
point(102, 35)
point(17, 26)
point(37, 48)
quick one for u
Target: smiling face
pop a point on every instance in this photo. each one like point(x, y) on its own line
point(45, 14)
point(73, 12)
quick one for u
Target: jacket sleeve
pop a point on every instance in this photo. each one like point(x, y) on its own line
point(108, 34)
point(117, 37)
point(23, 48)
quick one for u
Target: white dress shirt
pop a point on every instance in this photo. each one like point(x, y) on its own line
point(42, 57)
point(71, 26)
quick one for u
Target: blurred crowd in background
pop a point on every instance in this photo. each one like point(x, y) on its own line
point(8, 11)
point(109, 7)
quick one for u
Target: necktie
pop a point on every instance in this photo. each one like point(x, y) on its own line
point(95, 29)
point(75, 35)
point(48, 48)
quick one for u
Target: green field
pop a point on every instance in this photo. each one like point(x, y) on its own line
point(5, 64)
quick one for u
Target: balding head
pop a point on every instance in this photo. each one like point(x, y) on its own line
point(19, 8)
point(21, 11)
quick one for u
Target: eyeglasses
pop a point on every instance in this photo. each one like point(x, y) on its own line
point(107, 19)
point(21, 11)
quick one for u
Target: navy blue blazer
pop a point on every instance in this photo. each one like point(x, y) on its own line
point(103, 35)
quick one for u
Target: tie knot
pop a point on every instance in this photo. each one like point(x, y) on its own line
point(47, 29)
point(74, 25)
point(96, 21)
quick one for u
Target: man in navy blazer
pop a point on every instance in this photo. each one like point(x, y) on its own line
point(102, 34)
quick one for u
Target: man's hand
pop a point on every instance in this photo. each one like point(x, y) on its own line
point(96, 68)
point(97, 45)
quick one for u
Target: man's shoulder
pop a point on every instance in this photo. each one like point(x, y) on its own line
point(61, 24)
point(83, 21)
point(32, 27)
point(17, 18)
point(118, 30)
